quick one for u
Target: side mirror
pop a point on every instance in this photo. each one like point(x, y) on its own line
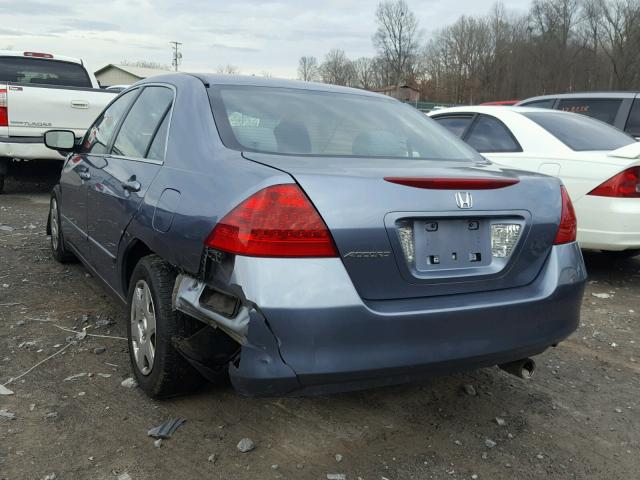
point(60, 140)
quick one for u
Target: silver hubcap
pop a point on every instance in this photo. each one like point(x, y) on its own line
point(143, 327)
point(54, 224)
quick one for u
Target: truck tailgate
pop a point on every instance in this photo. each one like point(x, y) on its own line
point(35, 109)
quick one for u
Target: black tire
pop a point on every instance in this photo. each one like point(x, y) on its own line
point(170, 374)
point(58, 250)
point(1, 183)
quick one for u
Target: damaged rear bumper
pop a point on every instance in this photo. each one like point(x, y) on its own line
point(305, 330)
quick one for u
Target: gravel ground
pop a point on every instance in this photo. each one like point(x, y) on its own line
point(578, 418)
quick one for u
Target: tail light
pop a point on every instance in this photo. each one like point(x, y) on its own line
point(278, 221)
point(37, 55)
point(4, 110)
point(624, 185)
point(568, 228)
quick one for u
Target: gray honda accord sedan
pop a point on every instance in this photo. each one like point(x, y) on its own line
point(305, 238)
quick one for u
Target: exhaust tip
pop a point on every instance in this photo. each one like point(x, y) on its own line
point(524, 368)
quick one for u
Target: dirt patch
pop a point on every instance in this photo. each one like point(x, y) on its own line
point(577, 419)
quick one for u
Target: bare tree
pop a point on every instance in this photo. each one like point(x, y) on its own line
point(620, 41)
point(308, 69)
point(396, 38)
point(228, 69)
point(363, 70)
point(145, 64)
point(336, 68)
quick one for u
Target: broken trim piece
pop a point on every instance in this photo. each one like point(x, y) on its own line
point(186, 299)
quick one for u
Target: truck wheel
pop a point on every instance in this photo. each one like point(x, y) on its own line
point(57, 240)
point(1, 183)
point(159, 368)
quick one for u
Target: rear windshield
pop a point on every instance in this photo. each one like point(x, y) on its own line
point(308, 122)
point(581, 133)
point(43, 72)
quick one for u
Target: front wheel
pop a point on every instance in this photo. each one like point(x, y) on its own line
point(159, 368)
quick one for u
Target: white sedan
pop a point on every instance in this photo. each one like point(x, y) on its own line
point(599, 165)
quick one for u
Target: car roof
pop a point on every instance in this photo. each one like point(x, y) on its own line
point(213, 79)
point(14, 53)
point(496, 110)
point(580, 95)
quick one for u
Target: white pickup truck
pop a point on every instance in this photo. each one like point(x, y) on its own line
point(39, 92)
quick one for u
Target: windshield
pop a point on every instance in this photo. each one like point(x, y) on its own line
point(43, 72)
point(316, 123)
point(581, 133)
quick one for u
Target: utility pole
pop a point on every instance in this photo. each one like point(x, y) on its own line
point(177, 56)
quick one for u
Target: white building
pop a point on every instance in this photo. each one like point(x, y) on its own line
point(111, 74)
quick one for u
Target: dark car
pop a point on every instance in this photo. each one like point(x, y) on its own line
point(307, 238)
point(620, 109)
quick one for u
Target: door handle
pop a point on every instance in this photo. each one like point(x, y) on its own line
point(132, 185)
point(83, 104)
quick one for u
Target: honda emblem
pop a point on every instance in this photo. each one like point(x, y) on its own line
point(464, 200)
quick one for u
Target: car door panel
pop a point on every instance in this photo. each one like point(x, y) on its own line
point(121, 183)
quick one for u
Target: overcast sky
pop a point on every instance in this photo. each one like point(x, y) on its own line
point(256, 36)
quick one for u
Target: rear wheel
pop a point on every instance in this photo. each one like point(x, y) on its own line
point(159, 368)
point(57, 240)
point(1, 183)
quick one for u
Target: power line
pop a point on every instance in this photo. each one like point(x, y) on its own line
point(177, 56)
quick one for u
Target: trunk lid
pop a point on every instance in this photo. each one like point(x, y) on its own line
point(399, 241)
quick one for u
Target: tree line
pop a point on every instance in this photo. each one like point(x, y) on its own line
point(557, 46)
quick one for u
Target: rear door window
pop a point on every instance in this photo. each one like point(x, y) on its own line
point(488, 134)
point(603, 109)
point(96, 141)
point(157, 148)
point(633, 123)
point(456, 124)
point(138, 129)
point(546, 103)
point(580, 133)
point(42, 71)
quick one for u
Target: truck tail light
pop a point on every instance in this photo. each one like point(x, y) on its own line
point(37, 55)
point(4, 110)
point(277, 221)
point(626, 184)
point(568, 229)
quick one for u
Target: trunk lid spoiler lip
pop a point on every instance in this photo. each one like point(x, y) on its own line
point(631, 152)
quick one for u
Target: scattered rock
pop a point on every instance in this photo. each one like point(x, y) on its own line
point(51, 415)
point(485, 455)
point(489, 443)
point(157, 443)
point(601, 295)
point(539, 456)
point(75, 377)
point(129, 383)
point(469, 390)
point(104, 375)
point(457, 442)
point(212, 458)
point(275, 466)
point(20, 323)
point(336, 476)
point(246, 445)
point(104, 322)
point(51, 476)
point(7, 414)
point(5, 391)
point(618, 410)
point(124, 476)
point(99, 350)
point(474, 476)
point(500, 421)
point(338, 457)
point(6, 228)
